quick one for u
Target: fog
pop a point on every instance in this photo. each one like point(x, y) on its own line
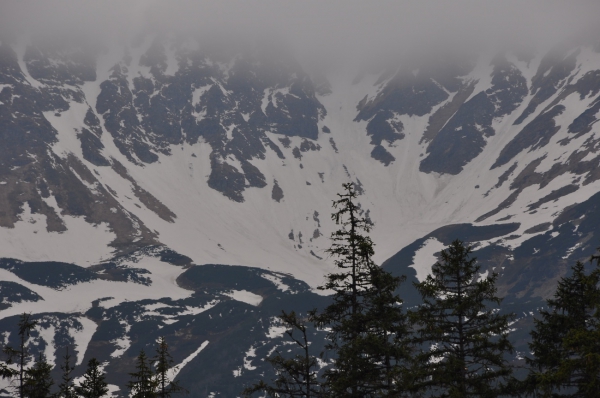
point(339, 29)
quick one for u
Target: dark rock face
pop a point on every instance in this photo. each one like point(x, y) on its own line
point(32, 171)
point(230, 107)
point(60, 275)
point(463, 136)
point(91, 146)
point(50, 273)
point(550, 76)
point(12, 292)
point(554, 195)
point(333, 144)
point(535, 135)
point(381, 154)
point(407, 93)
point(575, 164)
point(277, 192)
point(538, 228)
point(440, 117)
point(383, 127)
point(538, 133)
point(584, 122)
point(60, 64)
point(24, 128)
point(587, 86)
point(115, 104)
point(573, 237)
point(229, 104)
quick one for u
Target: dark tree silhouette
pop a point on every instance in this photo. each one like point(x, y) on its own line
point(296, 377)
point(463, 340)
point(66, 389)
point(143, 383)
point(162, 363)
point(367, 327)
point(93, 384)
point(26, 325)
point(566, 339)
point(5, 371)
point(38, 381)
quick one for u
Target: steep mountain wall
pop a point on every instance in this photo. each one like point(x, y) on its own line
point(124, 169)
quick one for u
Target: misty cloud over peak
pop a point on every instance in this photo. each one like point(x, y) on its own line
point(338, 29)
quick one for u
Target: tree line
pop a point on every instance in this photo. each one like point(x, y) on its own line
point(453, 345)
point(149, 380)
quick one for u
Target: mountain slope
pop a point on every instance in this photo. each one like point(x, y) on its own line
point(130, 174)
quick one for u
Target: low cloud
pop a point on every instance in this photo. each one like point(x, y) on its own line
point(336, 29)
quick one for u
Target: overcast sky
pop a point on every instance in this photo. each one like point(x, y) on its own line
point(337, 28)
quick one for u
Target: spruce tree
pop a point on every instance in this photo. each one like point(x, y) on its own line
point(5, 371)
point(463, 339)
point(66, 389)
point(296, 377)
point(367, 328)
point(162, 363)
point(387, 342)
point(26, 325)
point(38, 381)
point(143, 383)
point(566, 339)
point(93, 384)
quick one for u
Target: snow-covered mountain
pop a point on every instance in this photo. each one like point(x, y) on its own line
point(133, 178)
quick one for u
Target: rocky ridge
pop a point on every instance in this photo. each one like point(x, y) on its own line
point(128, 176)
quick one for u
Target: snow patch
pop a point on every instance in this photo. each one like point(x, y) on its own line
point(164, 285)
point(425, 257)
point(81, 243)
point(276, 281)
point(251, 353)
point(198, 93)
point(571, 250)
point(47, 335)
point(276, 331)
point(83, 337)
point(123, 343)
point(174, 371)
point(245, 297)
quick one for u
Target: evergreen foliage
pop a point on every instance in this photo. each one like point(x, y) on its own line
point(26, 325)
point(566, 339)
point(38, 381)
point(368, 329)
point(388, 341)
point(5, 371)
point(143, 383)
point(463, 340)
point(93, 384)
point(66, 389)
point(163, 362)
point(296, 377)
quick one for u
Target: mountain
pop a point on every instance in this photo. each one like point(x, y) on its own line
point(170, 188)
